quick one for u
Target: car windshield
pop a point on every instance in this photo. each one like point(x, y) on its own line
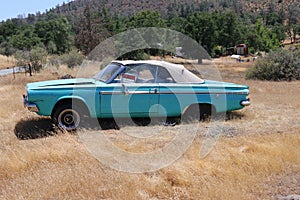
point(106, 74)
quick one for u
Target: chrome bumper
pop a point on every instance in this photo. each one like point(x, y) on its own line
point(246, 102)
point(30, 106)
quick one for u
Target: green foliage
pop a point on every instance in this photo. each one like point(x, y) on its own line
point(55, 35)
point(260, 38)
point(85, 24)
point(147, 18)
point(139, 38)
point(8, 28)
point(25, 39)
point(72, 59)
point(177, 24)
point(7, 49)
point(202, 28)
point(280, 65)
point(227, 28)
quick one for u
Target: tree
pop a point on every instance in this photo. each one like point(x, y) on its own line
point(55, 35)
point(90, 30)
point(279, 31)
point(25, 39)
point(228, 30)
point(260, 38)
point(202, 28)
point(178, 24)
point(147, 18)
point(8, 28)
point(31, 19)
point(273, 18)
point(293, 19)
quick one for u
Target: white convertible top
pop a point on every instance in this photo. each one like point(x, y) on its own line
point(178, 72)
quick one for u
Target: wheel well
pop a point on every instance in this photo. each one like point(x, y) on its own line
point(204, 108)
point(73, 102)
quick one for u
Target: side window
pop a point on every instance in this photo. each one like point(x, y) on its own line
point(146, 74)
point(163, 76)
point(139, 74)
point(129, 76)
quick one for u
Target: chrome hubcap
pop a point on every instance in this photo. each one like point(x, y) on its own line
point(69, 119)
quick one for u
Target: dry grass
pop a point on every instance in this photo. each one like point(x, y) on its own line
point(6, 62)
point(257, 158)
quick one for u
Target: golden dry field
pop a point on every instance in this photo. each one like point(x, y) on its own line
point(257, 156)
point(6, 62)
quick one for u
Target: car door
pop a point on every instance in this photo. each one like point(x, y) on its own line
point(136, 94)
point(169, 100)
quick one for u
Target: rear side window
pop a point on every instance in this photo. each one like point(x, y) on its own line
point(163, 76)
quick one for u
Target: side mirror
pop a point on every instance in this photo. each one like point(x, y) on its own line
point(124, 89)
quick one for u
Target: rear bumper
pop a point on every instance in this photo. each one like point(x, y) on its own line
point(30, 106)
point(245, 102)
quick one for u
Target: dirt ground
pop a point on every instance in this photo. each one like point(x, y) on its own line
point(257, 154)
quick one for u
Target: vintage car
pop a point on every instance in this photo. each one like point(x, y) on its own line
point(135, 89)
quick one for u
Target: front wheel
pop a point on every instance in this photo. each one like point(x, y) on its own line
point(67, 118)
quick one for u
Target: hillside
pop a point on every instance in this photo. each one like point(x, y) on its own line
point(178, 7)
point(83, 24)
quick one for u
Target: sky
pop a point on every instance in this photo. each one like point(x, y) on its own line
point(13, 8)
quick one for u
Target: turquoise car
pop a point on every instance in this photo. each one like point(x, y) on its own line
point(135, 89)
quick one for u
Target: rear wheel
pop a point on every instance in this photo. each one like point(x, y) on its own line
point(67, 117)
point(197, 112)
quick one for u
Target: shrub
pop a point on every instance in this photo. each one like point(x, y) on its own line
point(280, 65)
point(38, 58)
point(72, 59)
point(54, 61)
point(22, 58)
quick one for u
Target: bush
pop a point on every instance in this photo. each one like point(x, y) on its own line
point(22, 58)
point(72, 59)
point(38, 58)
point(280, 65)
point(54, 61)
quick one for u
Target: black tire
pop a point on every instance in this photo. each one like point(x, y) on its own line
point(144, 121)
point(67, 117)
point(107, 124)
point(197, 113)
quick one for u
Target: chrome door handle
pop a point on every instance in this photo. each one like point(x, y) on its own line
point(153, 91)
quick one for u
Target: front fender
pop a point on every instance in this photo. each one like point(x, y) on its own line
point(90, 104)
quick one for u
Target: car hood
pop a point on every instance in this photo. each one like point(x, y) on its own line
point(62, 83)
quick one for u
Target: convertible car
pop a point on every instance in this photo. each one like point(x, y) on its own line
point(136, 89)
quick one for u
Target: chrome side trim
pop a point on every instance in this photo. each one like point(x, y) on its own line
point(246, 102)
point(242, 93)
point(119, 93)
point(156, 92)
point(30, 106)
